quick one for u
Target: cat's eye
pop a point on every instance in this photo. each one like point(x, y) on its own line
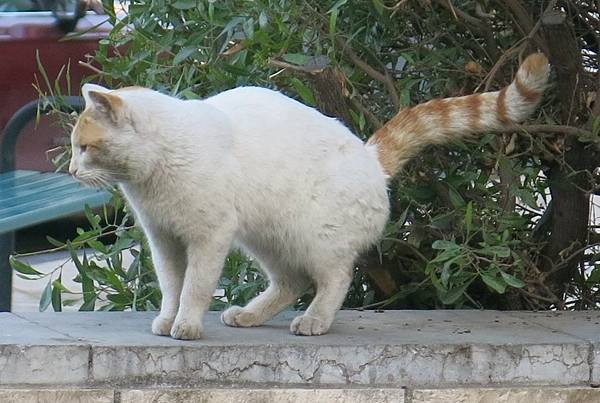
point(83, 148)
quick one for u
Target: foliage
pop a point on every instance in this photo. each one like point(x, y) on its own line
point(469, 220)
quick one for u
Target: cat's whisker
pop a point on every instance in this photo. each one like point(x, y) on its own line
point(91, 179)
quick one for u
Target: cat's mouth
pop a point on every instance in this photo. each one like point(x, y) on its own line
point(93, 181)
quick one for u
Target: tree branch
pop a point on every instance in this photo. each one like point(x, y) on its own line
point(557, 129)
point(526, 22)
point(383, 78)
point(473, 23)
point(370, 116)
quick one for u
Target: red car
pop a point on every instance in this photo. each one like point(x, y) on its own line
point(38, 27)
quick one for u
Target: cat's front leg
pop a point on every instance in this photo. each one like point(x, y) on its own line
point(205, 260)
point(168, 256)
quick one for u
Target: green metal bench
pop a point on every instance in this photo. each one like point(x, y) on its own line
point(30, 197)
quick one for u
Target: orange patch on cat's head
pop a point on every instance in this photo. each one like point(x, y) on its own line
point(106, 103)
point(88, 131)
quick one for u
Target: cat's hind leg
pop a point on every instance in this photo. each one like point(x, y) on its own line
point(281, 293)
point(331, 282)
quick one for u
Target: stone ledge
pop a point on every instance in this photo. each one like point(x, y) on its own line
point(262, 394)
point(507, 395)
point(413, 349)
point(57, 395)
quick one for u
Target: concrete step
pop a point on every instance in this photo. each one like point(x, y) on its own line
point(301, 395)
point(389, 352)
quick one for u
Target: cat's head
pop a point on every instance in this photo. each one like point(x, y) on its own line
point(104, 140)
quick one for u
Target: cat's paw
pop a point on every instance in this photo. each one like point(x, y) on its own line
point(306, 325)
point(186, 329)
point(237, 316)
point(161, 325)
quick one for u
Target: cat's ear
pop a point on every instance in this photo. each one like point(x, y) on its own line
point(87, 88)
point(100, 99)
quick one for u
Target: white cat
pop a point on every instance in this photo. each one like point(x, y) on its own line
point(253, 168)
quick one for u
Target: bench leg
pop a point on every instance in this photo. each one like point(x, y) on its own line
point(7, 245)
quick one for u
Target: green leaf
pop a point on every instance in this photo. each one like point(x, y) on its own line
point(493, 282)
point(596, 126)
point(436, 282)
point(379, 7)
point(455, 198)
point(452, 295)
point(46, 297)
point(188, 94)
point(262, 19)
point(445, 274)
point(87, 284)
point(84, 236)
point(56, 295)
point(91, 217)
point(248, 27)
point(337, 5)
point(512, 280)
point(184, 4)
point(70, 302)
point(298, 59)
point(441, 244)
point(23, 268)
point(304, 92)
point(114, 281)
point(183, 54)
point(333, 21)
point(54, 242)
point(469, 217)
point(61, 287)
point(89, 304)
point(211, 11)
point(120, 299)
point(595, 275)
point(334, 12)
point(500, 251)
point(99, 246)
point(526, 195)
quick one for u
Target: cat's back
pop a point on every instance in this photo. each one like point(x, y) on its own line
point(273, 119)
point(281, 132)
point(244, 97)
point(245, 104)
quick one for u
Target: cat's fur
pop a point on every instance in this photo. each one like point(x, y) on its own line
point(254, 168)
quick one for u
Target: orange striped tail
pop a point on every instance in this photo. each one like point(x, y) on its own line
point(440, 120)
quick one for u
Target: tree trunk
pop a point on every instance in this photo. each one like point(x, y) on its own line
point(567, 178)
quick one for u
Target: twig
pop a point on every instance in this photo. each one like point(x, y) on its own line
point(538, 297)
point(557, 129)
point(89, 66)
point(456, 12)
point(489, 79)
point(395, 6)
point(233, 50)
point(516, 48)
point(59, 248)
point(375, 122)
point(295, 67)
point(474, 24)
point(565, 260)
point(385, 79)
